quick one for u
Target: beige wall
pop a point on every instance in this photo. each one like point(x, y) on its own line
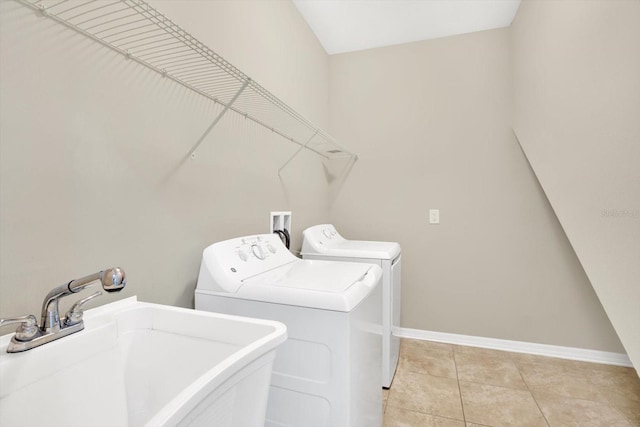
point(91, 171)
point(92, 147)
point(432, 124)
point(577, 103)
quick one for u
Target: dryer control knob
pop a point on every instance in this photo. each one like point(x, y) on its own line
point(271, 248)
point(242, 254)
point(327, 233)
point(257, 251)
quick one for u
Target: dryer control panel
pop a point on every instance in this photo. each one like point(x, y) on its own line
point(320, 237)
point(324, 240)
point(226, 264)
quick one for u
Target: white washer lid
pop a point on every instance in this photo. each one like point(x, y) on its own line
point(327, 285)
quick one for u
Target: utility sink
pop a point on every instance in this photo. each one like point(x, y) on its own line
point(142, 364)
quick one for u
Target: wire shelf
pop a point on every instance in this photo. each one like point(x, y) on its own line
point(141, 33)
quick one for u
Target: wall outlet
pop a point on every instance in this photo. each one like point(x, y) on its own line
point(434, 216)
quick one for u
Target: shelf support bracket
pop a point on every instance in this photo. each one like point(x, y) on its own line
point(217, 119)
point(302, 147)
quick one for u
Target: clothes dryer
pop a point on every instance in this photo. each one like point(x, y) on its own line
point(327, 373)
point(323, 242)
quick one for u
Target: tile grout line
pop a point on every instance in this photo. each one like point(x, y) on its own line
point(624, 416)
point(565, 396)
point(428, 414)
point(405, 368)
point(455, 363)
point(530, 392)
point(496, 385)
point(611, 405)
point(609, 401)
point(432, 375)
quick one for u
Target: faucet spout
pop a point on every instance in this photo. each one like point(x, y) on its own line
point(29, 335)
point(112, 280)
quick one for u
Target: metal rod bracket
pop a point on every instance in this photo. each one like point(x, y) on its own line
point(217, 119)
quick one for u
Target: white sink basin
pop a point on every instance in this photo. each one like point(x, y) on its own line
point(144, 364)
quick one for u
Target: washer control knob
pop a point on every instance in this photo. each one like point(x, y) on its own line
point(257, 251)
point(243, 255)
point(271, 248)
point(327, 233)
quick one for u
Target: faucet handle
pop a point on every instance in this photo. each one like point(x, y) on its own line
point(28, 328)
point(74, 315)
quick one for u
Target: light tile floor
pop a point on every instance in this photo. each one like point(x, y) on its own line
point(442, 385)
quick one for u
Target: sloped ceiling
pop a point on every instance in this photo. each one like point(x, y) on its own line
point(351, 25)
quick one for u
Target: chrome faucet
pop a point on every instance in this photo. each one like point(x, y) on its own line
point(29, 335)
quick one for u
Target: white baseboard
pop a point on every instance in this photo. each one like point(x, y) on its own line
point(595, 356)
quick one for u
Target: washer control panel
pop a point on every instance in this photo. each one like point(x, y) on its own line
point(255, 248)
point(226, 264)
point(258, 252)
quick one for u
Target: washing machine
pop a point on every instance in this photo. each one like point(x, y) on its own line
point(323, 242)
point(327, 373)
